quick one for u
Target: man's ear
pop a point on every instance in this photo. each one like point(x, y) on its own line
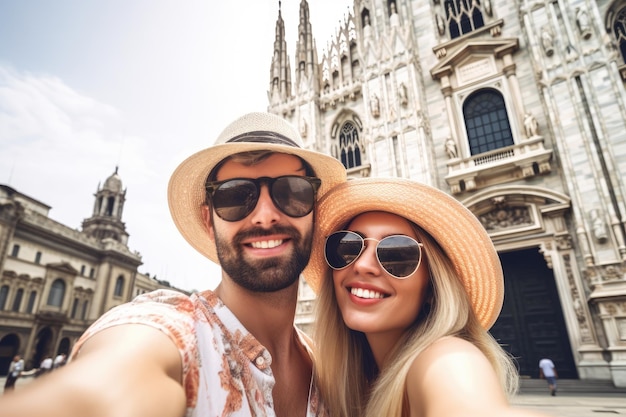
point(208, 221)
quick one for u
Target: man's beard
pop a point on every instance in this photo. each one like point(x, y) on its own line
point(267, 275)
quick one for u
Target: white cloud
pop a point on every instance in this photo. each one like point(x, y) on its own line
point(138, 84)
point(60, 145)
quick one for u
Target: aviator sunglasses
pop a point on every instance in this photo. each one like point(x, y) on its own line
point(236, 198)
point(399, 255)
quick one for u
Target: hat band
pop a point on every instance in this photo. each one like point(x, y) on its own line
point(264, 137)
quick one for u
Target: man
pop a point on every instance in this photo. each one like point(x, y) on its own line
point(547, 370)
point(248, 202)
point(45, 366)
point(16, 367)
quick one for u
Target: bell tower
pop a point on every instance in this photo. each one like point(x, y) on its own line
point(106, 220)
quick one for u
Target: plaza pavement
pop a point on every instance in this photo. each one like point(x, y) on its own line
point(574, 404)
point(573, 399)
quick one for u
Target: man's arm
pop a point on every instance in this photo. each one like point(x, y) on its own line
point(124, 371)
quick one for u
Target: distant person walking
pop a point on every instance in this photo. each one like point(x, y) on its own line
point(15, 370)
point(547, 370)
point(45, 366)
point(59, 360)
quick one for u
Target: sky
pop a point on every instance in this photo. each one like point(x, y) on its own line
point(88, 86)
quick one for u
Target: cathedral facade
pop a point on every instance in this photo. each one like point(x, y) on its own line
point(515, 108)
point(55, 280)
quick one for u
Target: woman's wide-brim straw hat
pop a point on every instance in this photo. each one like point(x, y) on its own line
point(451, 224)
point(252, 132)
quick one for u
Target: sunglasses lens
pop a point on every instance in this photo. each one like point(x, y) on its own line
point(234, 200)
point(342, 248)
point(399, 255)
point(295, 196)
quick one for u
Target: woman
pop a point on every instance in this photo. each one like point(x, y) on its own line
point(410, 284)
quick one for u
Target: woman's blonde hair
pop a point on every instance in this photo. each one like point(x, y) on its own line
point(349, 380)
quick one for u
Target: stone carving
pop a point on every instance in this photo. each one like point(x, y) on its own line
point(403, 95)
point(304, 127)
point(547, 40)
point(488, 8)
point(441, 25)
point(367, 29)
point(450, 147)
point(375, 105)
point(530, 125)
point(394, 20)
point(583, 23)
point(506, 218)
point(598, 226)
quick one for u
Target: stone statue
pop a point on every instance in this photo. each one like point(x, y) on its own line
point(598, 226)
point(394, 20)
point(582, 20)
point(450, 147)
point(304, 127)
point(367, 29)
point(403, 95)
point(530, 125)
point(547, 40)
point(375, 105)
point(441, 25)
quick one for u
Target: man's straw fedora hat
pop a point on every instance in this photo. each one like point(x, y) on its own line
point(251, 132)
point(451, 224)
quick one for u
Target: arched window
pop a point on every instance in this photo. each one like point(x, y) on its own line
point(31, 302)
point(119, 286)
point(84, 313)
point(17, 301)
point(110, 204)
point(74, 308)
point(57, 293)
point(486, 121)
point(4, 294)
point(463, 16)
point(619, 30)
point(350, 145)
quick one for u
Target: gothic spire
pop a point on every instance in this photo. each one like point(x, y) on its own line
point(280, 71)
point(306, 52)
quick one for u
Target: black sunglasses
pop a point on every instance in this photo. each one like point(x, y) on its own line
point(399, 255)
point(236, 198)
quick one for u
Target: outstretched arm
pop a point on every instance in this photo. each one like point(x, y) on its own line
point(454, 378)
point(123, 371)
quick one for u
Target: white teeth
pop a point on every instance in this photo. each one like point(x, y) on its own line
point(361, 293)
point(266, 244)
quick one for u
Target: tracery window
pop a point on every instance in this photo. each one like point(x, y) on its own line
point(463, 16)
point(350, 145)
point(486, 121)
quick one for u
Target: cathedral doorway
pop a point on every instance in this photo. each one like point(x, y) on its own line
point(531, 325)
